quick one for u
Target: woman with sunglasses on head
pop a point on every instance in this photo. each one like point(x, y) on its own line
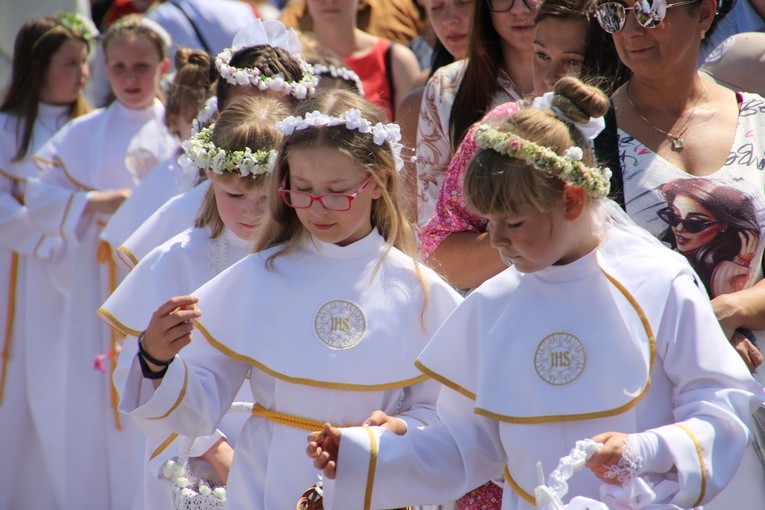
point(497, 70)
point(673, 123)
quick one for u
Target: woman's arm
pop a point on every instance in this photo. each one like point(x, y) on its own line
point(406, 74)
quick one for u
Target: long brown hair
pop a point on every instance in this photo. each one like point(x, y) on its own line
point(36, 44)
point(248, 121)
point(479, 81)
point(283, 227)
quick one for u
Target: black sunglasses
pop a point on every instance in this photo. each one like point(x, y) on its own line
point(670, 217)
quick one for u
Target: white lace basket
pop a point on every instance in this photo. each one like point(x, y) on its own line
point(633, 493)
point(198, 493)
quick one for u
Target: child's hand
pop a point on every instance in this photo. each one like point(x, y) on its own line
point(323, 447)
point(219, 456)
point(170, 327)
point(380, 419)
point(608, 455)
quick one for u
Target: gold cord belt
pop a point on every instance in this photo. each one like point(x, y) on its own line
point(289, 420)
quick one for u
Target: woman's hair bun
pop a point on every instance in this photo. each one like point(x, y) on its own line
point(579, 101)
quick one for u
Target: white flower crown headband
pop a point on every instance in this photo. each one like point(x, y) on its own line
point(351, 119)
point(253, 76)
point(569, 167)
point(203, 153)
point(341, 73)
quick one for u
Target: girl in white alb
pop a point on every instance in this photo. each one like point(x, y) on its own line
point(264, 58)
point(222, 235)
point(326, 318)
point(45, 91)
point(89, 168)
point(595, 332)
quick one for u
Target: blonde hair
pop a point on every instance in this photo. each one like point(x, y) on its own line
point(282, 227)
point(497, 183)
point(135, 25)
point(248, 121)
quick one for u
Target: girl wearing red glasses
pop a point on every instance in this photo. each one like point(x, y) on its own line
point(327, 316)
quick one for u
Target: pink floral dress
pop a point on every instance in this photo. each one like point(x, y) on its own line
point(451, 213)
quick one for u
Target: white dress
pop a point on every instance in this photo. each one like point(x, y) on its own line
point(175, 268)
point(328, 335)
point(172, 218)
point(32, 381)
point(164, 182)
point(110, 148)
point(619, 340)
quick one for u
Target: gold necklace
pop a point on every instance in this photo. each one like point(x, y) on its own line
point(677, 141)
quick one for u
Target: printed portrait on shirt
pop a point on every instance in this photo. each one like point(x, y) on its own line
point(715, 227)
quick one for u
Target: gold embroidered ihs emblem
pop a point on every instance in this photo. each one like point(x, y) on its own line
point(560, 358)
point(139, 162)
point(340, 324)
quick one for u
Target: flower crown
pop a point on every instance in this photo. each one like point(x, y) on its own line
point(80, 26)
point(351, 119)
point(341, 73)
point(75, 23)
point(203, 153)
point(253, 76)
point(569, 167)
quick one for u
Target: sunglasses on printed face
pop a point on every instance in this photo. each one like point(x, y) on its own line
point(670, 217)
point(649, 13)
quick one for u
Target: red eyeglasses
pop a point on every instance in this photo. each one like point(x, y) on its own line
point(330, 201)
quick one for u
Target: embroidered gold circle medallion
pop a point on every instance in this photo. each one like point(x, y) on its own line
point(560, 358)
point(340, 324)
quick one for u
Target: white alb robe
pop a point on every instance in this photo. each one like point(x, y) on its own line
point(172, 218)
point(108, 149)
point(177, 267)
point(619, 340)
point(165, 181)
point(32, 405)
point(330, 334)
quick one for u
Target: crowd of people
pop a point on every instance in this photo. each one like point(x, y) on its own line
point(435, 249)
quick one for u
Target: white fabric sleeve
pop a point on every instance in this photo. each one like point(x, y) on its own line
point(195, 393)
point(418, 407)
point(714, 396)
point(427, 465)
point(56, 206)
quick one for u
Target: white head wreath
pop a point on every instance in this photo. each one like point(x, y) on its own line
point(266, 33)
point(339, 73)
point(351, 119)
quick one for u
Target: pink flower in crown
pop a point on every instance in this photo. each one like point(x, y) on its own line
point(514, 144)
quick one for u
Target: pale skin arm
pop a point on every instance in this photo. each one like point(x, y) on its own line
point(106, 202)
point(219, 456)
point(169, 329)
point(466, 259)
point(742, 309)
point(408, 116)
point(406, 73)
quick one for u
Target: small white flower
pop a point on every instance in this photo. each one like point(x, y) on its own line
point(204, 489)
point(181, 481)
point(379, 133)
point(220, 493)
point(574, 153)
